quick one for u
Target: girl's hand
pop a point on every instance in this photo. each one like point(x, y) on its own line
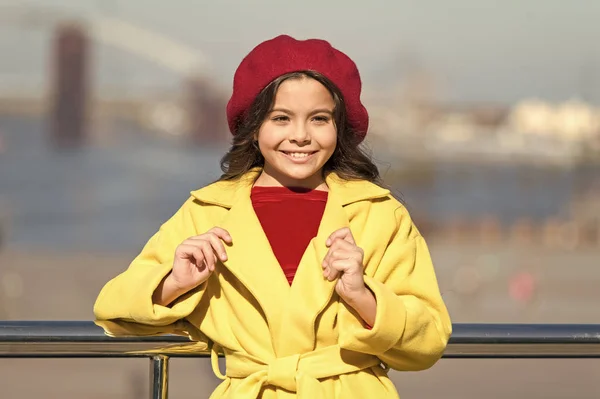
point(196, 257)
point(344, 261)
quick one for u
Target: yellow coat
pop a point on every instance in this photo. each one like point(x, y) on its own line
point(301, 341)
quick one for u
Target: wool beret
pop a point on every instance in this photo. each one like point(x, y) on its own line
point(284, 54)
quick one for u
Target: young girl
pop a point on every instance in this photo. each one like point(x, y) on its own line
point(297, 264)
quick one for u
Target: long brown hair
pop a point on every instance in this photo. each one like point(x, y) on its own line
point(348, 160)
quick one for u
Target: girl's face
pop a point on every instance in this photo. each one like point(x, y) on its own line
point(298, 136)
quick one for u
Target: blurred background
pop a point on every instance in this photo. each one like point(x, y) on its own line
point(485, 119)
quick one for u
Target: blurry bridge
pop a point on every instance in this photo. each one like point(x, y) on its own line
point(66, 98)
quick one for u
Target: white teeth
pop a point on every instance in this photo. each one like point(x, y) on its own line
point(298, 154)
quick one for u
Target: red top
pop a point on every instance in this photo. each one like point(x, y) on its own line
point(290, 218)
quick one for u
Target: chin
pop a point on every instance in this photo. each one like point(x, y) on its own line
point(300, 175)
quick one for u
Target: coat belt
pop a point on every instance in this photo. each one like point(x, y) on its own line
point(296, 373)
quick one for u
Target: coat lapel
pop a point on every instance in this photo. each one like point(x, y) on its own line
point(250, 257)
point(251, 260)
point(310, 292)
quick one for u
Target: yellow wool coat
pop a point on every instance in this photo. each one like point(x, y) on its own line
point(299, 341)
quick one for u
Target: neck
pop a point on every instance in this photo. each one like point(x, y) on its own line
point(315, 182)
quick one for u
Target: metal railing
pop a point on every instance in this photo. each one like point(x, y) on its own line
point(68, 339)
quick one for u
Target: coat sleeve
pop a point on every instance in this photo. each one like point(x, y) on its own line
point(412, 325)
point(124, 305)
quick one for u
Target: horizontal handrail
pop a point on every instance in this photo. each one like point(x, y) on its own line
point(85, 339)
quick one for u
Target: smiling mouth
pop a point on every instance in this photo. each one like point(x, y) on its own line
point(299, 155)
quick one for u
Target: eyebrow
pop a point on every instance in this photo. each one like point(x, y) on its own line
point(316, 111)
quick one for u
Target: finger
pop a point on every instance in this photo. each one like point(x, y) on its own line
point(342, 244)
point(333, 270)
point(343, 233)
point(336, 269)
point(209, 255)
point(344, 250)
point(344, 265)
point(337, 244)
point(187, 249)
point(195, 241)
point(198, 257)
point(341, 254)
point(327, 258)
point(215, 243)
point(217, 246)
point(340, 233)
point(341, 250)
point(339, 267)
point(222, 234)
point(330, 273)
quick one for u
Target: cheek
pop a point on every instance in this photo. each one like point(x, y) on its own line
point(329, 141)
point(267, 138)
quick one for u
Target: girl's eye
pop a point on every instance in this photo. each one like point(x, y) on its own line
point(280, 118)
point(321, 119)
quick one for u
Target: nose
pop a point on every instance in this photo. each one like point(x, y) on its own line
point(300, 135)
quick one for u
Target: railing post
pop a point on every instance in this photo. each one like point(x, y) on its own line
point(159, 377)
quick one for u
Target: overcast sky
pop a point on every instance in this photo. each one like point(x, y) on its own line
point(477, 50)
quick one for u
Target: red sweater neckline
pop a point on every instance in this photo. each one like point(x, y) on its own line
point(269, 191)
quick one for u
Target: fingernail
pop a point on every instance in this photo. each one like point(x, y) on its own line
point(224, 256)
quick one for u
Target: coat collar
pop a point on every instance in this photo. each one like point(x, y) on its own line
point(225, 193)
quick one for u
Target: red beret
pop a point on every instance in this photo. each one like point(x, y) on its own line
point(284, 54)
